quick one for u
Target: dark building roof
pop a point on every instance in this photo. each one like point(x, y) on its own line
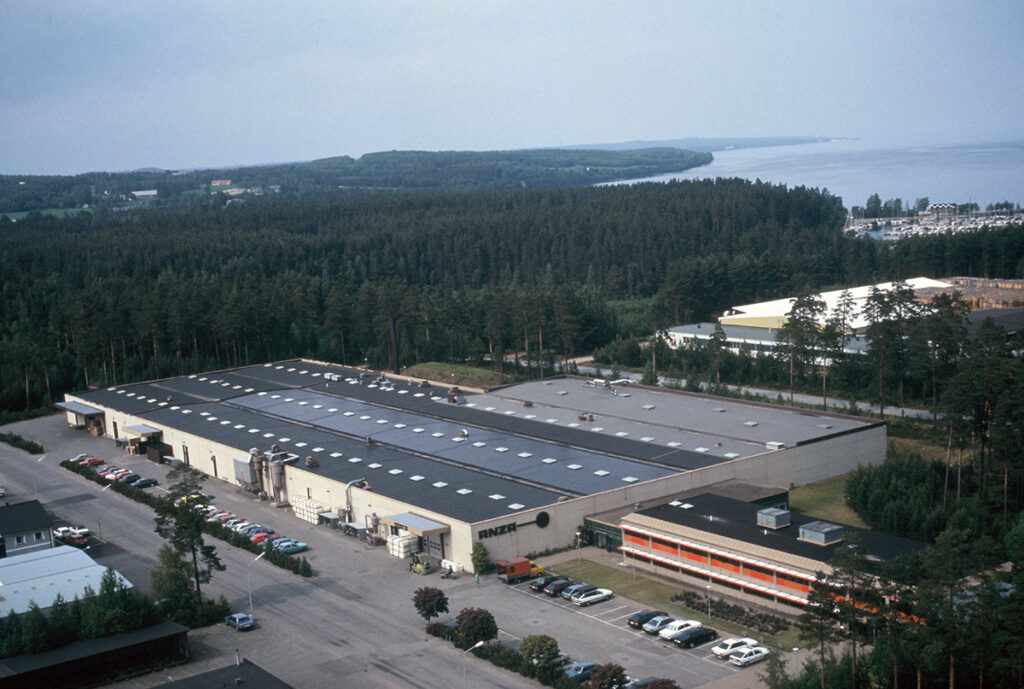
point(1010, 320)
point(24, 516)
point(244, 674)
point(737, 520)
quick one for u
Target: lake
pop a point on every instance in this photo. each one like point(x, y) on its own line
point(853, 170)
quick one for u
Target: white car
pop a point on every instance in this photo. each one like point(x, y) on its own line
point(749, 655)
point(63, 531)
point(670, 631)
point(595, 596)
point(730, 646)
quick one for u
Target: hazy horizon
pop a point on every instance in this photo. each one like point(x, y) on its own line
point(94, 86)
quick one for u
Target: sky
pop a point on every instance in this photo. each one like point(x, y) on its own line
point(121, 85)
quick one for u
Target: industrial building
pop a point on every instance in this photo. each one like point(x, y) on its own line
point(519, 468)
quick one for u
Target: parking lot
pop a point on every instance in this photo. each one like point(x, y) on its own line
point(355, 618)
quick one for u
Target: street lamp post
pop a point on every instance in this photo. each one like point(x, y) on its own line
point(578, 554)
point(248, 577)
point(475, 646)
point(709, 602)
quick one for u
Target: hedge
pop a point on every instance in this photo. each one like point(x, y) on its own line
point(297, 565)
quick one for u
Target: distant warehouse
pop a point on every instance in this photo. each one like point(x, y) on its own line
point(519, 468)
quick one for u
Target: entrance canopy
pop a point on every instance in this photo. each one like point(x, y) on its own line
point(80, 409)
point(143, 430)
point(421, 526)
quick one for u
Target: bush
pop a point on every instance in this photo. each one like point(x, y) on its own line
point(760, 621)
point(29, 446)
point(475, 624)
point(481, 558)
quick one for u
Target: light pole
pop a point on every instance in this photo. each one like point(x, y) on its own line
point(475, 646)
point(35, 477)
point(709, 602)
point(248, 578)
point(578, 555)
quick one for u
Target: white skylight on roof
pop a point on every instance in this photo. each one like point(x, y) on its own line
point(335, 454)
point(524, 455)
point(552, 420)
point(151, 400)
point(563, 392)
point(825, 425)
point(750, 423)
point(700, 449)
point(203, 379)
point(175, 408)
point(601, 472)
point(261, 393)
point(530, 416)
point(439, 484)
point(573, 424)
point(225, 422)
point(239, 426)
point(204, 413)
point(382, 421)
point(549, 460)
point(186, 411)
point(435, 398)
point(302, 373)
point(501, 449)
point(374, 465)
point(121, 392)
point(459, 439)
point(318, 449)
point(254, 430)
point(289, 399)
point(629, 479)
point(275, 397)
point(395, 472)
point(417, 394)
point(291, 370)
point(403, 392)
point(303, 403)
point(731, 455)
point(278, 368)
point(417, 430)
point(268, 435)
point(249, 389)
point(284, 439)
point(162, 404)
point(355, 460)
point(372, 386)
point(438, 434)
point(463, 491)
point(479, 443)
point(672, 443)
point(675, 503)
point(516, 506)
point(399, 425)
point(622, 434)
point(686, 506)
point(470, 404)
point(574, 467)
point(301, 444)
point(648, 407)
point(211, 418)
point(597, 429)
point(318, 406)
point(267, 365)
point(647, 438)
point(510, 412)
point(417, 477)
point(364, 417)
point(236, 387)
point(488, 408)
point(496, 496)
point(348, 413)
point(333, 410)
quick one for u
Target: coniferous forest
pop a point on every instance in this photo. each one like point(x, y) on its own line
point(110, 297)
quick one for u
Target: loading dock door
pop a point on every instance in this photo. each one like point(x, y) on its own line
point(430, 532)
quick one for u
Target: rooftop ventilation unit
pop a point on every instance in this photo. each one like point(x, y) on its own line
point(775, 445)
point(821, 533)
point(773, 518)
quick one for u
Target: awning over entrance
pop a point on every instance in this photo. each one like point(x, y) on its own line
point(421, 526)
point(143, 430)
point(79, 408)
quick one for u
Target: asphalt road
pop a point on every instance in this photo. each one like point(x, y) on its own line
point(354, 623)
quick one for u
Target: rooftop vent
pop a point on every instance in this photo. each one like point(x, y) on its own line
point(775, 445)
point(773, 518)
point(821, 533)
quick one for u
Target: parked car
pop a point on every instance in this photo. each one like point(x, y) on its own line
point(595, 596)
point(729, 646)
point(580, 671)
point(656, 624)
point(569, 591)
point(128, 478)
point(638, 619)
point(540, 582)
point(106, 469)
point(254, 528)
point(90, 462)
point(240, 621)
point(638, 683)
point(230, 523)
point(116, 474)
point(557, 586)
point(749, 655)
point(63, 531)
point(694, 636)
point(292, 547)
point(144, 482)
point(74, 539)
point(673, 628)
point(262, 536)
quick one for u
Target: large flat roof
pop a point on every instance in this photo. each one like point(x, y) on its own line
point(40, 575)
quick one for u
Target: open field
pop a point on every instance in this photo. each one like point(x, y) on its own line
point(825, 500)
point(458, 374)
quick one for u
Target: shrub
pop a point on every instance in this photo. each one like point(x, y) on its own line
point(29, 446)
point(430, 602)
point(481, 558)
point(475, 624)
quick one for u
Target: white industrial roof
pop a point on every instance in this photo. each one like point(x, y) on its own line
point(778, 309)
point(40, 575)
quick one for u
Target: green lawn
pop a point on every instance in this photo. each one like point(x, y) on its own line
point(657, 595)
point(825, 500)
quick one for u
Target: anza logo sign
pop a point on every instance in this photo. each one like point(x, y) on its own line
point(496, 531)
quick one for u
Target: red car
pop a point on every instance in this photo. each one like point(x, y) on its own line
point(262, 536)
point(77, 540)
point(91, 462)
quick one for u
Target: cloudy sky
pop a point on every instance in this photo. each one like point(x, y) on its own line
point(124, 84)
